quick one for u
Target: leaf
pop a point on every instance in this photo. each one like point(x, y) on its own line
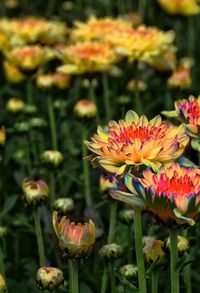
point(124, 281)
point(195, 143)
point(183, 261)
point(8, 204)
point(183, 161)
point(128, 198)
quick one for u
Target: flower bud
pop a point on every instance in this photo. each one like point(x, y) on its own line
point(3, 288)
point(75, 240)
point(2, 136)
point(85, 109)
point(182, 243)
point(64, 205)
point(126, 216)
point(123, 100)
point(3, 231)
point(15, 105)
point(37, 122)
point(52, 157)
point(111, 251)
point(134, 85)
point(35, 192)
point(22, 126)
point(153, 250)
point(49, 278)
point(128, 271)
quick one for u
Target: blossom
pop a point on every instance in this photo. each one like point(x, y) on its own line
point(181, 7)
point(49, 278)
point(136, 141)
point(153, 250)
point(52, 157)
point(15, 105)
point(142, 43)
point(75, 240)
point(35, 192)
point(97, 28)
point(12, 73)
point(29, 58)
point(188, 111)
point(56, 79)
point(85, 109)
point(181, 75)
point(2, 136)
point(86, 57)
point(172, 195)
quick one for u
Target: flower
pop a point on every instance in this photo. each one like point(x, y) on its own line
point(2, 136)
point(134, 85)
point(75, 240)
point(153, 250)
point(87, 57)
point(29, 58)
point(12, 73)
point(3, 288)
point(188, 111)
point(172, 195)
point(49, 278)
point(85, 109)
point(52, 157)
point(96, 29)
point(128, 271)
point(181, 7)
point(136, 141)
point(182, 243)
point(64, 205)
point(181, 77)
point(56, 79)
point(35, 192)
point(111, 251)
point(142, 43)
point(165, 62)
point(15, 105)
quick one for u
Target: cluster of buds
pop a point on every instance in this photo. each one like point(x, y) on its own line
point(49, 278)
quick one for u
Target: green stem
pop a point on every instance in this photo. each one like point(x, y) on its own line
point(154, 281)
point(92, 96)
point(52, 122)
point(29, 91)
point(139, 250)
point(187, 271)
point(168, 101)
point(106, 97)
point(73, 276)
point(130, 243)
point(113, 218)
point(38, 232)
point(2, 265)
point(87, 191)
point(191, 37)
point(137, 106)
point(28, 158)
point(52, 187)
point(142, 8)
point(104, 280)
point(173, 261)
point(113, 279)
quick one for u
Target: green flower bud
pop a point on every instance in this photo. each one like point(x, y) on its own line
point(37, 122)
point(111, 251)
point(126, 216)
point(49, 278)
point(3, 231)
point(52, 157)
point(15, 105)
point(64, 205)
point(128, 271)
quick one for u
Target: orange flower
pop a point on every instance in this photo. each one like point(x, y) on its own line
point(29, 57)
point(56, 79)
point(136, 141)
point(75, 241)
point(182, 7)
point(142, 43)
point(172, 195)
point(87, 57)
point(95, 29)
point(181, 76)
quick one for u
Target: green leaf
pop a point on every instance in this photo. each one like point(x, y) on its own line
point(195, 143)
point(183, 161)
point(8, 205)
point(183, 261)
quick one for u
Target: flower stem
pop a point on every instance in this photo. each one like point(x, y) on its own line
point(29, 91)
point(137, 106)
point(52, 123)
point(154, 281)
point(142, 8)
point(173, 261)
point(187, 271)
point(106, 96)
point(38, 232)
point(191, 37)
point(104, 280)
point(113, 216)
point(2, 265)
point(92, 97)
point(87, 191)
point(139, 250)
point(73, 276)
point(52, 186)
point(113, 279)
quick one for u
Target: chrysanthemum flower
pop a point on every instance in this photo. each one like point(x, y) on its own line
point(87, 57)
point(75, 240)
point(35, 192)
point(181, 76)
point(173, 194)
point(188, 111)
point(56, 79)
point(85, 109)
point(12, 73)
point(136, 141)
point(181, 7)
point(15, 105)
point(95, 29)
point(29, 57)
point(142, 43)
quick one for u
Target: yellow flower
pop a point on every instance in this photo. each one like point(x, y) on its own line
point(2, 136)
point(15, 105)
point(153, 250)
point(75, 240)
point(12, 73)
point(29, 58)
point(95, 29)
point(166, 62)
point(142, 43)
point(54, 32)
point(136, 141)
point(52, 157)
point(35, 192)
point(181, 7)
point(87, 57)
point(56, 79)
point(49, 278)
